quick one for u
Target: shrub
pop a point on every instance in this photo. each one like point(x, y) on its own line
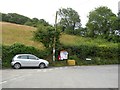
point(8, 52)
point(99, 54)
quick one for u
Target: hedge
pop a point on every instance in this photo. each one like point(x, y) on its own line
point(8, 52)
point(99, 55)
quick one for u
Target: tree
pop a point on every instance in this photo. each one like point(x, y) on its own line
point(43, 22)
point(14, 18)
point(29, 23)
point(4, 17)
point(70, 19)
point(36, 22)
point(118, 20)
point(46, 34)
point(102, 22)
point(17, 18)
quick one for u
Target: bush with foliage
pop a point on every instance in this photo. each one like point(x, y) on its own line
point(47, 35)
point(14, 18)
point(8, 52)
point(23, 20)
point(98, 54)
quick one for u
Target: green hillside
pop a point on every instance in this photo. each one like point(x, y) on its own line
point(15, 33)
point(72, 40)
point(99, 50)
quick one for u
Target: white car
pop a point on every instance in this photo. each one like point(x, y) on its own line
point(28, 60)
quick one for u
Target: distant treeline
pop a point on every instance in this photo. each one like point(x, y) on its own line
point(102, 23)
point(23, 20)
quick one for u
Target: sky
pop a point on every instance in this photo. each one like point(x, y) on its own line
point(46, 9)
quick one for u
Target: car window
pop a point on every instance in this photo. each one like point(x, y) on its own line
point(32, 57)
point(23, 57)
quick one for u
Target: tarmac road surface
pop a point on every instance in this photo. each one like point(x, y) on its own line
point(103, 76)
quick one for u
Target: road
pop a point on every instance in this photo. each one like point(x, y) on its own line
point(103, 76)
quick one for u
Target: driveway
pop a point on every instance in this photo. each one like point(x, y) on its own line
point(103, 76)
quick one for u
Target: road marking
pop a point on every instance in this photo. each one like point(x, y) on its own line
point(61, 68)
point(13, 79)
point(3, 82)
point(45, 70)
point(56, 68)
point(50, 69)
point(65, 67)
point(39, 70)
point(22, 76)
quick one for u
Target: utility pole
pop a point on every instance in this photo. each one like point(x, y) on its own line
point(55, 37)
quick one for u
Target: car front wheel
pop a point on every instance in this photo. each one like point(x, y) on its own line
point(17, 66)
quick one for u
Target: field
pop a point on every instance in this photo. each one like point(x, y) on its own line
point(15, 33)
point(72, 40)
point(101, 51)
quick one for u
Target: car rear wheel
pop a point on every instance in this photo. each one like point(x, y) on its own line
point(17, 66)
point(42, 65)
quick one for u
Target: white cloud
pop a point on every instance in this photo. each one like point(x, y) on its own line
point(46, 8)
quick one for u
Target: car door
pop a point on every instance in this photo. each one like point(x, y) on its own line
point(24, 60)
point(33, 60)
